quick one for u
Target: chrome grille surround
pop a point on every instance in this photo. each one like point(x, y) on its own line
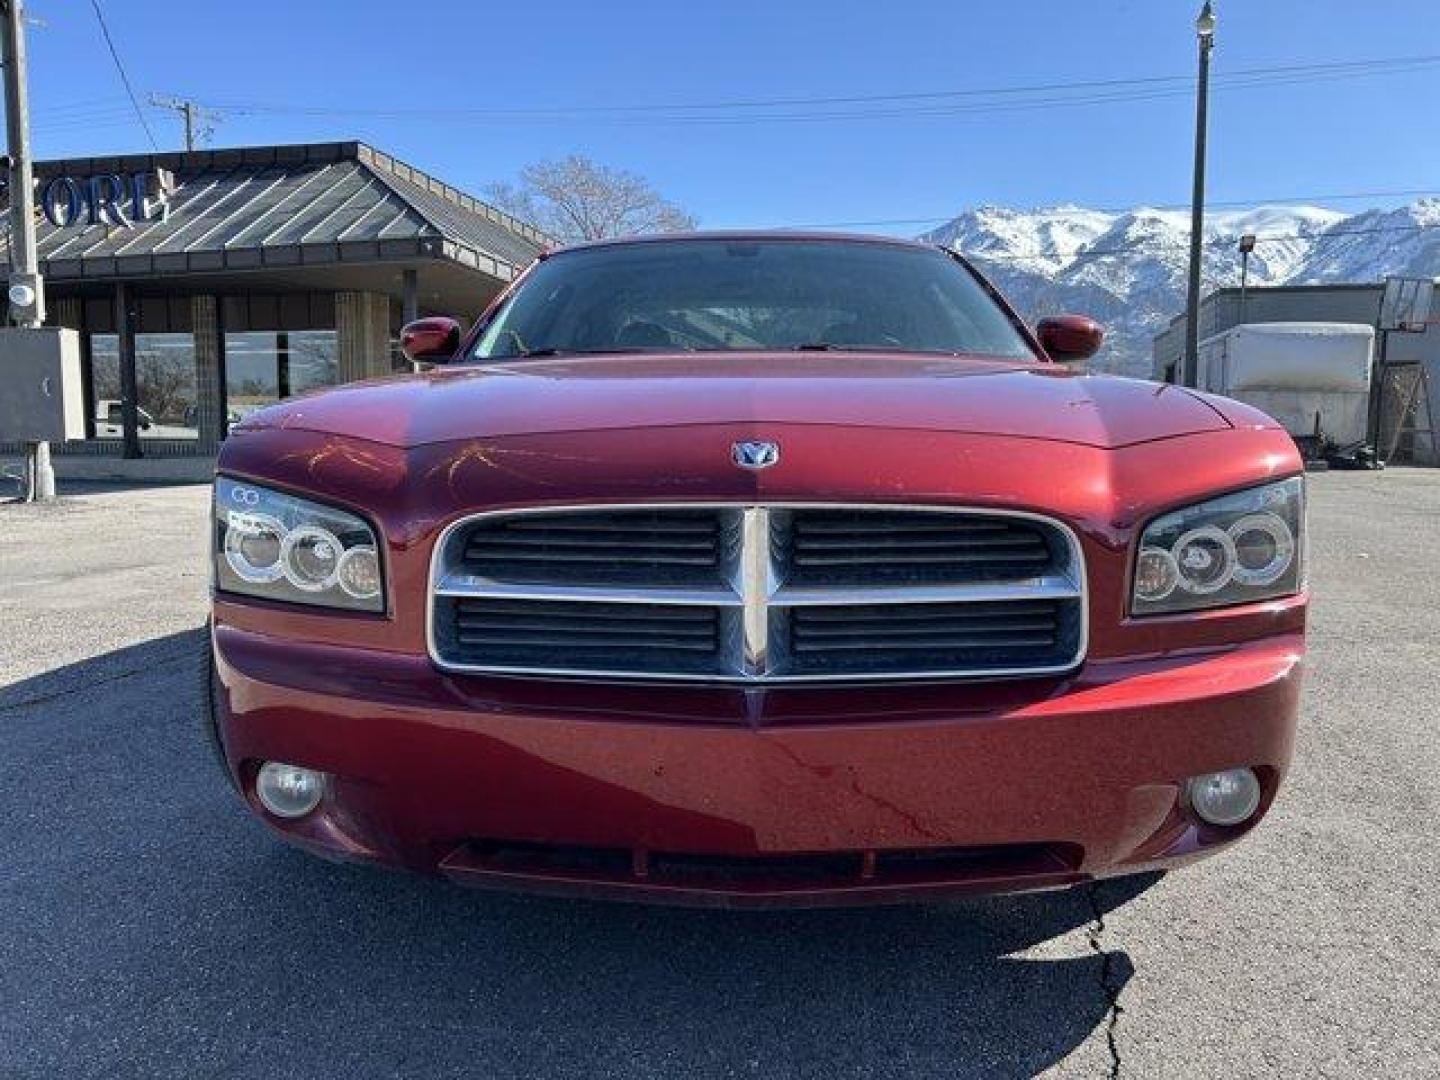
point(751, 597)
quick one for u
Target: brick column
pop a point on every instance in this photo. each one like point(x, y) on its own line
point(362, 330)
point(209, 387)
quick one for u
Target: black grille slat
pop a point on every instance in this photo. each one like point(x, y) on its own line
point(570, 541)
point(891, 613)
point(951, 559)
point(874, 629)
point(927, 542)
point(520, 641)
point(933, 644)
point(922, 522)
point(581, 631)
point(563, 556)
point(613, 521)
point(579, 620)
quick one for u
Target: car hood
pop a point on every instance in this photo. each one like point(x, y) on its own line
point(952, 394)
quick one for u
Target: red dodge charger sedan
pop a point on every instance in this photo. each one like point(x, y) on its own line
point(750, 568)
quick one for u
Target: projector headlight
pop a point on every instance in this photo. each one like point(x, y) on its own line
point(1232, 550)
point(281, 547)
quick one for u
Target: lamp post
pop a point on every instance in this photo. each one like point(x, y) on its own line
point(1205, 35)
point(1247, 245)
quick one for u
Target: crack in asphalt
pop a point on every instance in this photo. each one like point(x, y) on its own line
point(1108, 986)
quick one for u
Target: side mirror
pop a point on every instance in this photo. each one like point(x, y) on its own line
point(1066, 338)
point(430, 339)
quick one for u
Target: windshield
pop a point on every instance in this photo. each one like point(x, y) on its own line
point(724, 295)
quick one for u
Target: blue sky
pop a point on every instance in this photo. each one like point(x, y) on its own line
point(301, 70)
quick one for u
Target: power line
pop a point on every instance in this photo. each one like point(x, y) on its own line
point(101, 117)
point(751, 111)
point(1044, 103)
point(1088, 84)
point(83, 105)
point(124, 78)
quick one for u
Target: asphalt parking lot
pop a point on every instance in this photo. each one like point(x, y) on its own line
point(149, 928)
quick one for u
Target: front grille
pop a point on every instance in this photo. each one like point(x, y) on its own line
point(759, 593)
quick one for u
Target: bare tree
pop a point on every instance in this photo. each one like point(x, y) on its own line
point(578, 199)
point(165, 384)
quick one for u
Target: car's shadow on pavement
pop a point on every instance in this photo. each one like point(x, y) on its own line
point(151, 928)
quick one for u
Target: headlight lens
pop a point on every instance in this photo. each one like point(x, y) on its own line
point(1232, 550)
point(280, 547)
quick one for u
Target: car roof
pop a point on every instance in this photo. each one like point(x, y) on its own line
point(745, 236)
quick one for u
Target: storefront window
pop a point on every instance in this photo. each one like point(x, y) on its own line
point(263, 366)
point(164, 380)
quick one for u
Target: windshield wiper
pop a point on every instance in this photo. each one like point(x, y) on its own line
point(531, 354)
point(830, 346)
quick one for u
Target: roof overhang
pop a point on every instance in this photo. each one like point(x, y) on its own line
point(323, 215)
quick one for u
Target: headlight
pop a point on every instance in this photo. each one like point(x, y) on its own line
point(281, 547)
point(1232, 550)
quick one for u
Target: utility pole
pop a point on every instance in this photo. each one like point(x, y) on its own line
point(198, 119)
point(26, 291)
point(1190, 365)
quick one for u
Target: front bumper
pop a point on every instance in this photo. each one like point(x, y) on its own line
point(705, 796)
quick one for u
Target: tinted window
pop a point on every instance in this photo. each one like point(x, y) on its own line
point(717, 295)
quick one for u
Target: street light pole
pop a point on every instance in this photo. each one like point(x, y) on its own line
point(26, 290)
point(1247, 245)
point(1205, 33)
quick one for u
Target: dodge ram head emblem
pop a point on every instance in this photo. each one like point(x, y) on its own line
point(755, 455)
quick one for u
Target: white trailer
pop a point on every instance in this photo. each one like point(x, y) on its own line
point(1313, 377)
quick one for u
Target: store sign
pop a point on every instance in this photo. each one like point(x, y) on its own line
point(115, 199)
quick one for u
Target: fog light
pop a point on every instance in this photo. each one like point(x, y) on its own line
point(1224, 798)
point(288, 791)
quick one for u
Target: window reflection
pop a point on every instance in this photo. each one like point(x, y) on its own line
point(313, 360)
point(251, 372)
point(263, 366)
point(166, 392)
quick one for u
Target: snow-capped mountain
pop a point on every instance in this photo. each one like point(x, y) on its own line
point(1128, 269)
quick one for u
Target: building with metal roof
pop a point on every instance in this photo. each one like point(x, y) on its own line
point(208, 283)
point(1407, 407)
